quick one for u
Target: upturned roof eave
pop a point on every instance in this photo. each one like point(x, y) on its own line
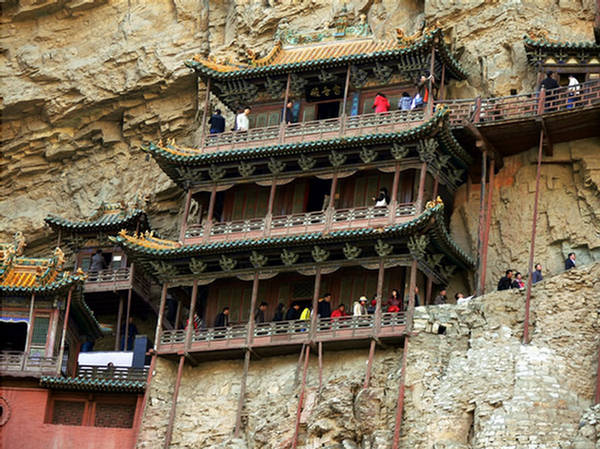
point(85, 226)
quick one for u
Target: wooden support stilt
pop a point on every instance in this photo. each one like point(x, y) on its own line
point(253, 297)
point(315, 304)
point(128, 313)
point(301, 398)
point(29, 327)
point(140, 412)
point(184, 218)
point(481, 221)
point(282, 123)
point(421, 192)
point(345, 102)
point(242, 397)
point(411, 296)
point(400, 401)
point(269, 214)
point(394, 199)
point(205, 114)
point(320, 349)
point(299, 365)
point(119, 323)
point(488, 222)
point(63, 337)
point(211, 211)
point(379, 297)
point(189, 330)
point(173, 411)
point(532, 245)
point(369, 364)
point(161, 314)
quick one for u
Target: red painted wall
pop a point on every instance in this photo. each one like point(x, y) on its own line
point(26, 429)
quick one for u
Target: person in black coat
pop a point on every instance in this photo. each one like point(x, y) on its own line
point(549, 82)
point(505, 282)
point(278, 315)
point(570, 262)
point(289, 113)
point(293, 312)
point(324, 306)
point(222, 319)
point(537, 274)
point(217, 123)
point(260, 316)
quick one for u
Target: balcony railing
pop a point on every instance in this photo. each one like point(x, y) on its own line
point(109, 275)
point(121, 278)
point(17, 361)
point(348, 126)
point(523, 106)
point(112, 373)
point(303, 222)
point(283, 332)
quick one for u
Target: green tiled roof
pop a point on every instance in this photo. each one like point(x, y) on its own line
point(421, 47)
point(91, 384)
point(439, 120)
point(549, 45)
point(106, 222)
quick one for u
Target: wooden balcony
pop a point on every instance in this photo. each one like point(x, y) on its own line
point(320, 221)
point(112, 373)
point(345, 126)
point(21, 364)
point(279, 337)
point(115, 280)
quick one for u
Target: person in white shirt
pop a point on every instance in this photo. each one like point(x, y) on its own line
point(242, 122)
point(573, 91)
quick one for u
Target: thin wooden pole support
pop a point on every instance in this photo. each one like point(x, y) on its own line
point(533, 233)
point(283, 122)
point(379, 297)
point(161, 314)
point(301, 398)
point(369, 364)
point(315, 304)
point(63, 337)
point(481, 221)
point(269, 214)
point(400, 401)
point(411, 296)
point(421, 192)
point(177, 322)
point(140, 413)
point(443, 83)
point(128, 313)
point(184, 218)
point(394, 200)
point(488, 222)
point(345, 102)
point(242, 397)
point(205, 114)
point(253, 298)
point(190, 323)
point(119, 323)
point(211, 211)
point(429, 112)
point(299, 364)
point(29, 329)
point(173, 411)
point(331, 206)
point(320, 353)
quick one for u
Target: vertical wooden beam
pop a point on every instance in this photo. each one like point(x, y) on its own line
point(394, 200)
point(443, 83)
point(119, 323)
point(421, 193)
point(283, 123)
point(178, 315)
point(481, 221)
point(269, 215)
point(301, 398)
point(320, 352)
point(211, 211)
point(345, 102)
point(186, 212)
point(242, 396)
point(488, 222)
point(173, 411)
point(63, 337)
point(331, 206)
point(140, 414)
point(161, 314)
point(369, 364)
point(429, 290)
point(29, 327)
point(533, 233)
point(190, 323)
point(379, 297)
point(436, 186)
point(129, 293)
point(53, 332)
point(429, 111)
point(253, 298)
point(205, 113)
point(400, 401)
point(411, 296)
point(315, 304)
point(58, 238)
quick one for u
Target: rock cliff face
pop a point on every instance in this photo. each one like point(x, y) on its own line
point(476, 386)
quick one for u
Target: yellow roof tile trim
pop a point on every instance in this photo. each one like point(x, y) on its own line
point(148, 240)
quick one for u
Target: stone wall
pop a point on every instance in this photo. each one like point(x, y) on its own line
point(474, 386)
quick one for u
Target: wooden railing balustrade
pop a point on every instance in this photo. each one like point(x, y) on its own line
point(112, 373)
point(20, 361)
point(109, 275)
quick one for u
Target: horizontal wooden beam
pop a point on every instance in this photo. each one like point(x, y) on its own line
point(482, 142)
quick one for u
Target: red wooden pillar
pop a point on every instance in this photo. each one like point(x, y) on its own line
point(190, 323)
point(532, 246)
point(481, 222)
point(301, 398)
point(242, 397)
point(315, 304)
point(283, 123)
point(209, 214)
point(63, 337)
point(488, 222)
point(119, 323)
point(411, 296)
point(400, 401)
point(253, 298)
point(29, 330)
point(169, 432)
point(420, 196)
point(161, 314)
point(394, 200)
point(345, 102)
point(269, 215)
point(331, 206)
point(205, 113)
point(128, 314)
point(186, 212)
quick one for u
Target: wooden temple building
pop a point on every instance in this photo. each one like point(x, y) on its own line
point(117, 291)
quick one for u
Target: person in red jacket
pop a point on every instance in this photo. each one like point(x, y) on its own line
point(381, 103)
point(340, 312)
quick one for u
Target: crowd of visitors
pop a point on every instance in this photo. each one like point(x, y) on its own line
point(514, 279)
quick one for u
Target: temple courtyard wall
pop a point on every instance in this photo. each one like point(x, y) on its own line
point(473, 386)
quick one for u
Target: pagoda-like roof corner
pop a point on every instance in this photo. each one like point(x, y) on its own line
point(541, 48)
point(317, 52)
point(108, 217)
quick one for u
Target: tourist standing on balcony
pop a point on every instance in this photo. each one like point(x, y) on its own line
point(278, 315)
point(293, 312)
point(305, 316)
point(222, 319)
point(340, 312)
point(383, 199)
point(242, 121)
point(131, 333)
point(407, 300)
point(360, 306)
point(289, 113)
point(324, 306)
point(98, 262)
point(441, 298)
point(518, 282)
point(570, 262)
point(259, 316)
point(394, 303)
point(404, 102)
point(537, 274)
point(197, 322)
point(217, 123)
point(505, 281)
point(549, 82)
point(381, 103)
point(422, 95)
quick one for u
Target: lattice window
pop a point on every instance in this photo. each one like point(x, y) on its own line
point(69, 413)
point(303, 289)
point(40, 330)
point(114, 415)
